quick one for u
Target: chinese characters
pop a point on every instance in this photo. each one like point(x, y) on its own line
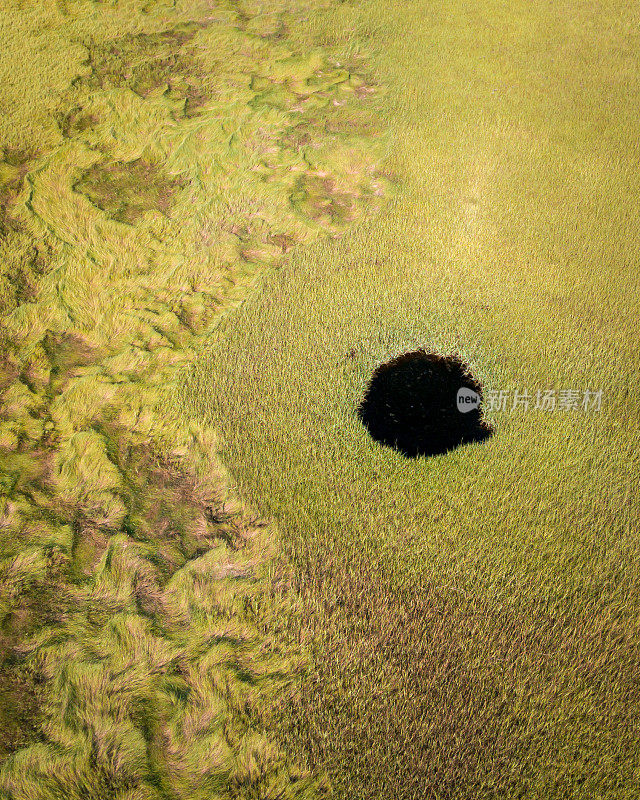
point(544, 400)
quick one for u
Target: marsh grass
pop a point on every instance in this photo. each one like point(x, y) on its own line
point(144, 186)
point(470, 620)
point(459, 627)
point(125, 191)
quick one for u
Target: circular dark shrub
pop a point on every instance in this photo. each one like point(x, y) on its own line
point(422, 403)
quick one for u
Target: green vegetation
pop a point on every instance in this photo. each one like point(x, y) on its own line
point(216, 218)
point(155, 158)
point(471, 620)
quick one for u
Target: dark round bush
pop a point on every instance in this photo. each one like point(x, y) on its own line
point(411, 404)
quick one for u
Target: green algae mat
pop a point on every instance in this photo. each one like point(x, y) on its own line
point(217, 217)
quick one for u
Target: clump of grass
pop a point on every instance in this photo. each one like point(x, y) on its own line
point(144, 61)
point(411, 404)
point(125, 191)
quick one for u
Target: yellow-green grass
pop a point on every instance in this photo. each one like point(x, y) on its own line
point(472, 619)
point(154, 159)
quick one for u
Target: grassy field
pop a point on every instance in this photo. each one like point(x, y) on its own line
point(471, 620)
point(216, 218)
point(155, 159)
